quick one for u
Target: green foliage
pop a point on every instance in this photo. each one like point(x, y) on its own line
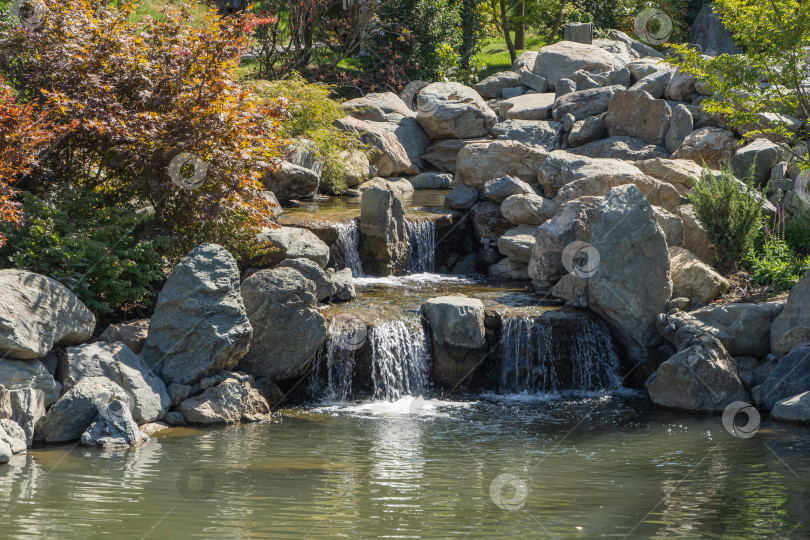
point(729, 213)
point(88, 246)
point(797, 236)
point(311, 115)
point(768, 78)
point(776, 264)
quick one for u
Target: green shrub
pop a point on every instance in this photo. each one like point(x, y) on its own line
point(311, 115)
point(797, 236)
point(88, 246)
point(729, 213)
point(776, 264)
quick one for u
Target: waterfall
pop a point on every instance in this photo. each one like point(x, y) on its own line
point(348, 247)
point(397, 364)
point(547, 354)
point(421, 246)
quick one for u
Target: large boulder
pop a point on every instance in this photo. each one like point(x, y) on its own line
point(295, 243)
point(671, 225)
point(27, 407)
point(657, 193)
point(571, 223)
point(457, 338)
point(432, 180)
point(792, 326)
point(508, 270)
point(562, 59)
point(621, 147)
point(488, 222)
point(479, 162)
point(517, 244)
point(461, 197)
point(528, 209)
point(795, 410)
point(130, 333)
point(389, 155)
point(761, 154)
point(383, 238)
point(324, 286)
point(585, 103)
point(695, 238)
point(499, 189)
point(701, 377)
point(693, 279)
point(234, 400)
point(449, 110)
point(644, 67)
point(527, 107)
point(561, 168)
point(631, 285)
point(69, 417)
point(199, 325)
point(790, 377)
point(591, 129)
point(681, 173)
point(492, 86)
point(20, 374)
point(443, 153)
point(654, 84)
point(709, 32)
point(637, 114)
point(681, 87)
point(545, 134)
point(116, 429)
point(283, 309)
point(150, 399)
point(13, 435)
point(292, 181)
point(681, 125)
point(36, 313)
point(715, 146)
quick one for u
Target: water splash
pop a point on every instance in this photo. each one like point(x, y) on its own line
point(348, 248)
point(421, 246)
point(537, 357)
point(400, 360)
point(334, 365)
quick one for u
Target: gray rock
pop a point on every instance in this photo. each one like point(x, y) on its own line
point(397, 185)
point(584, 81)
point(452, 110)
point(20, 374)
point(695, 238)
point(493, 86)
point(130, 333)
point(283, 310)
point(681, 87)
point(644, 67)
point(509, 270)
point(517, 244)
point(383, 238)
point(229, 402)
point(701, 377)
point(295, 243)
point(175, 418)
point(378, 107)
point(562, 167)
point(69, 417)
point(36, 313)
point(13, 435)
point(619, 77)
point(467, 265)
point(524, 62)
point(681, 125)
point(432, 180)
point(488, 222)
point(527, 107)
point(710, 34)
point(558, 61)
point(442, 154)
point(631, 284)
point(654, 84)
point(113, 428)
point(535, 133)
point(571, 223)
point(480, 162)
point(671, 225)
point(499, 189)
point(199, 325)
point(795, 410)
point(693, 279)
point(578, 32)
point(528, 209)
point(343, 280)
point(624, 148)
point(761, 154)
point(292, 181)
point(389, 156)
point(5, 403)
point(585, 103)
point(27, 406)
point(533, 81)
point(790, 377)
point(792, 326)
point(457, 338)
point(681, 173)
point(584, 131)
point(715, 146)
point(564, 87)
point(461, 197)
point(656, 192)
point(512, 92)
point(324, 286)
point(642, 49)
point(637, 114)
point(178, 392)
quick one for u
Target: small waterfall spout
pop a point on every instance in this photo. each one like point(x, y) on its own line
point(421, 246)
point(400, 360)
point(548, 354)
point(348, 248)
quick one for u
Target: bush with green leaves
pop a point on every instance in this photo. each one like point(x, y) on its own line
point(311, 115)
point(775, 264)
point(797, 235)
point(729, 211)
point(90, 246)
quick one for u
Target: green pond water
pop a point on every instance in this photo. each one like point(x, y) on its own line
point(481, 467)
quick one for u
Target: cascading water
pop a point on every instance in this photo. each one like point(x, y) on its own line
point(400, 360)
point(541, 356)
point(421, 246)
point(348, 246)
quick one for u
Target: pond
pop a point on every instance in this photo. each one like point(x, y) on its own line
point(486, 466)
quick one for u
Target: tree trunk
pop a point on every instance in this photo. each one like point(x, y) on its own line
point(495, 18)
point(556, 28)
point(520, 25)
point(507, 36)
